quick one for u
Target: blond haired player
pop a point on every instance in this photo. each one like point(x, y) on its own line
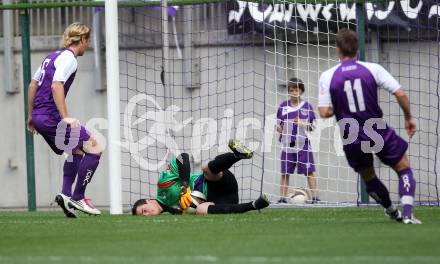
point(48, 116)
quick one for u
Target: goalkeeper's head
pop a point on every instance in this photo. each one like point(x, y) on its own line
point(347, 44)
point(146, 207)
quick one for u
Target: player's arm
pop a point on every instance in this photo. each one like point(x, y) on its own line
point(326, 111)
point(184, 168)
point(325, 106)
point(280, 120)
point(60, 101)
point(59, 98)
point(65, 66)
point(385, 80)
point(308, 124)
point(279, 128)
point(311, 120)
point(402, 99)
point(32, 90)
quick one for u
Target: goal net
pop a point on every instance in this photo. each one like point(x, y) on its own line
point(195, 76)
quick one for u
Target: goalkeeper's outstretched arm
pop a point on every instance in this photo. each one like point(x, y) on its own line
point(184, 168)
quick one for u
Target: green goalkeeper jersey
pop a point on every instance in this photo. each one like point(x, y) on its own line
point(168, 186)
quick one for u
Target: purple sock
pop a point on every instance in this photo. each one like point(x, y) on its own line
point(407, 189)
point(87, 168)
point(70, 169)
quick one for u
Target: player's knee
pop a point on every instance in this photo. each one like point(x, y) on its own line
point(210, 176)
point(93, 142)
point(92, 147)
point(95, 151)
point(205, 169)
point(368, 174)
point(78, 152)
point(403, 164)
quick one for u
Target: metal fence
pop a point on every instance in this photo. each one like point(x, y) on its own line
point(52, 22)
point(48, 22)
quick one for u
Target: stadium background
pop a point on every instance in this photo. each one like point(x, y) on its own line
point(243, 68)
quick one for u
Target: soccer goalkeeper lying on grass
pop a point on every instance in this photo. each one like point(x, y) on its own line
point(177, 188)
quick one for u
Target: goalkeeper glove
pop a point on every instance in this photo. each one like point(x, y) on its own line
point(185, 197)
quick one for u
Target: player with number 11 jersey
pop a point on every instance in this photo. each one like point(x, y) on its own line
point(350, 92)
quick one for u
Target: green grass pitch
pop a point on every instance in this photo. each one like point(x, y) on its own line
point(353, 235)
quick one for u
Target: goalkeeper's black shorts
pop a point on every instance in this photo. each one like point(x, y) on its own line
point(224, 191)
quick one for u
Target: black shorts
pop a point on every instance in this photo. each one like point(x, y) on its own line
point(224, 191)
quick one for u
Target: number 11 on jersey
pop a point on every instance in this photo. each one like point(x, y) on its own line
point(348, 88)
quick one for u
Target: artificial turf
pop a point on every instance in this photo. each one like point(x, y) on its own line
point(340, 235)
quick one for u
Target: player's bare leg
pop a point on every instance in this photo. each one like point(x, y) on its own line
point(407, 188)
point(311, 182)
point(284, 188)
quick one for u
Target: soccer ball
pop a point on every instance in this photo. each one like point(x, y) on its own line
point(298, 196)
